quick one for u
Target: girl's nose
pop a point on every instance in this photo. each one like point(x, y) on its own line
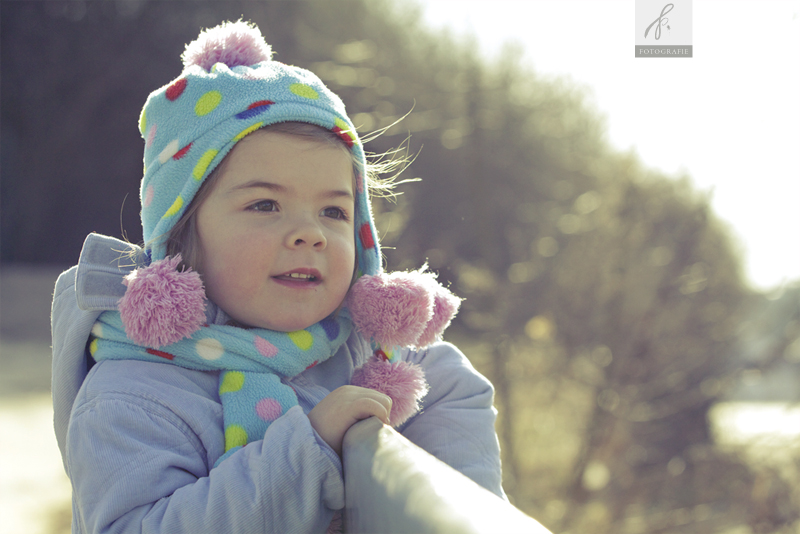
point(306, 233)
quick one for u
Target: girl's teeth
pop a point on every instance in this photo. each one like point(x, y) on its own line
point(300, 275)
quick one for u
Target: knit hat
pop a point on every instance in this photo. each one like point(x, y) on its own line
point(229, 88)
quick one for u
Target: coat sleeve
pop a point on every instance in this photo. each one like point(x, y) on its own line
point(456, 423)
point(136, 467)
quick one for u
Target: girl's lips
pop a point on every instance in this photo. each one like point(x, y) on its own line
point(299, 278)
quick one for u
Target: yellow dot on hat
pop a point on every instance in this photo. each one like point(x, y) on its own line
point(344, 131)
point(175, 208)
point(209, 349)
point(341, 124)
point(306, 91)
point(142, 121)
point(235, 436)
point(231, 382)
point(249, 130)
point(207, 103)
point(302, 339)
point(203, 163)
point(93, 347)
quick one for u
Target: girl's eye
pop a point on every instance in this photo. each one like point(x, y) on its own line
point(335, 213)
point(264, 205)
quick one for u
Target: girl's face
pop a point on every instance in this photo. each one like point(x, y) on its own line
point(276, 235)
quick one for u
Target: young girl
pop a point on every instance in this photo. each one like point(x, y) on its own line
point(205, 382)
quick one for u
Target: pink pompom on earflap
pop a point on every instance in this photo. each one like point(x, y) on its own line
point(162, 305)
point(392, 309)
point(445, 306)
point(401, 309)
point(402, 381)
point(232, 43)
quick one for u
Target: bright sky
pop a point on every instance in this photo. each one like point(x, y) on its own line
point(729, 116)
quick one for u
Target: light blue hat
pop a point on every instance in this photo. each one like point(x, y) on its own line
point(229, 88)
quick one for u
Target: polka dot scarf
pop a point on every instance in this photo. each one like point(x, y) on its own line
point(252, 362)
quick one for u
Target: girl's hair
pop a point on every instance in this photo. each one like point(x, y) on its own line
point(183, 238)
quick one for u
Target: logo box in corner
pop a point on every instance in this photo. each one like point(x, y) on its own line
point(663, 28)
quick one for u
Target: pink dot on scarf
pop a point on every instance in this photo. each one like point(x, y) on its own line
point(268, 409)
point(265, 348)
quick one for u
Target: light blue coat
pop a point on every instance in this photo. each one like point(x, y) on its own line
point(139, 439)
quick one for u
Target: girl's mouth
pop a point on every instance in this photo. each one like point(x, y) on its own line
point(299, 277)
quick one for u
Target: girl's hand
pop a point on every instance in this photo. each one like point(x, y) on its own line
point(345, 406)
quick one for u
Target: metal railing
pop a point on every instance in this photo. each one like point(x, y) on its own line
point(394, 487)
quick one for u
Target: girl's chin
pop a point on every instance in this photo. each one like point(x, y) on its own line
point(278, 326)
point(293, 318)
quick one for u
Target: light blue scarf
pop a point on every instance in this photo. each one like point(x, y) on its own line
point(252, 361)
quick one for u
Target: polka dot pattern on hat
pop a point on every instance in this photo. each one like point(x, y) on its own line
point(256, 108)
point(176, 89)
point(202, 164)
point(248, 130)
point(303, 90)
point(207, 103)
point(230, 88)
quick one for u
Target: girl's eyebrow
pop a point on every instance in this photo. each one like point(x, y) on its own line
point(278, 188)
point(259, 184)
point(337, 193)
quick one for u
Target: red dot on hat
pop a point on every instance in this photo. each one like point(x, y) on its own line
point(182, 152)
point(260, 103)
point(176, 89)
point(344, 136)
point(365, 232)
